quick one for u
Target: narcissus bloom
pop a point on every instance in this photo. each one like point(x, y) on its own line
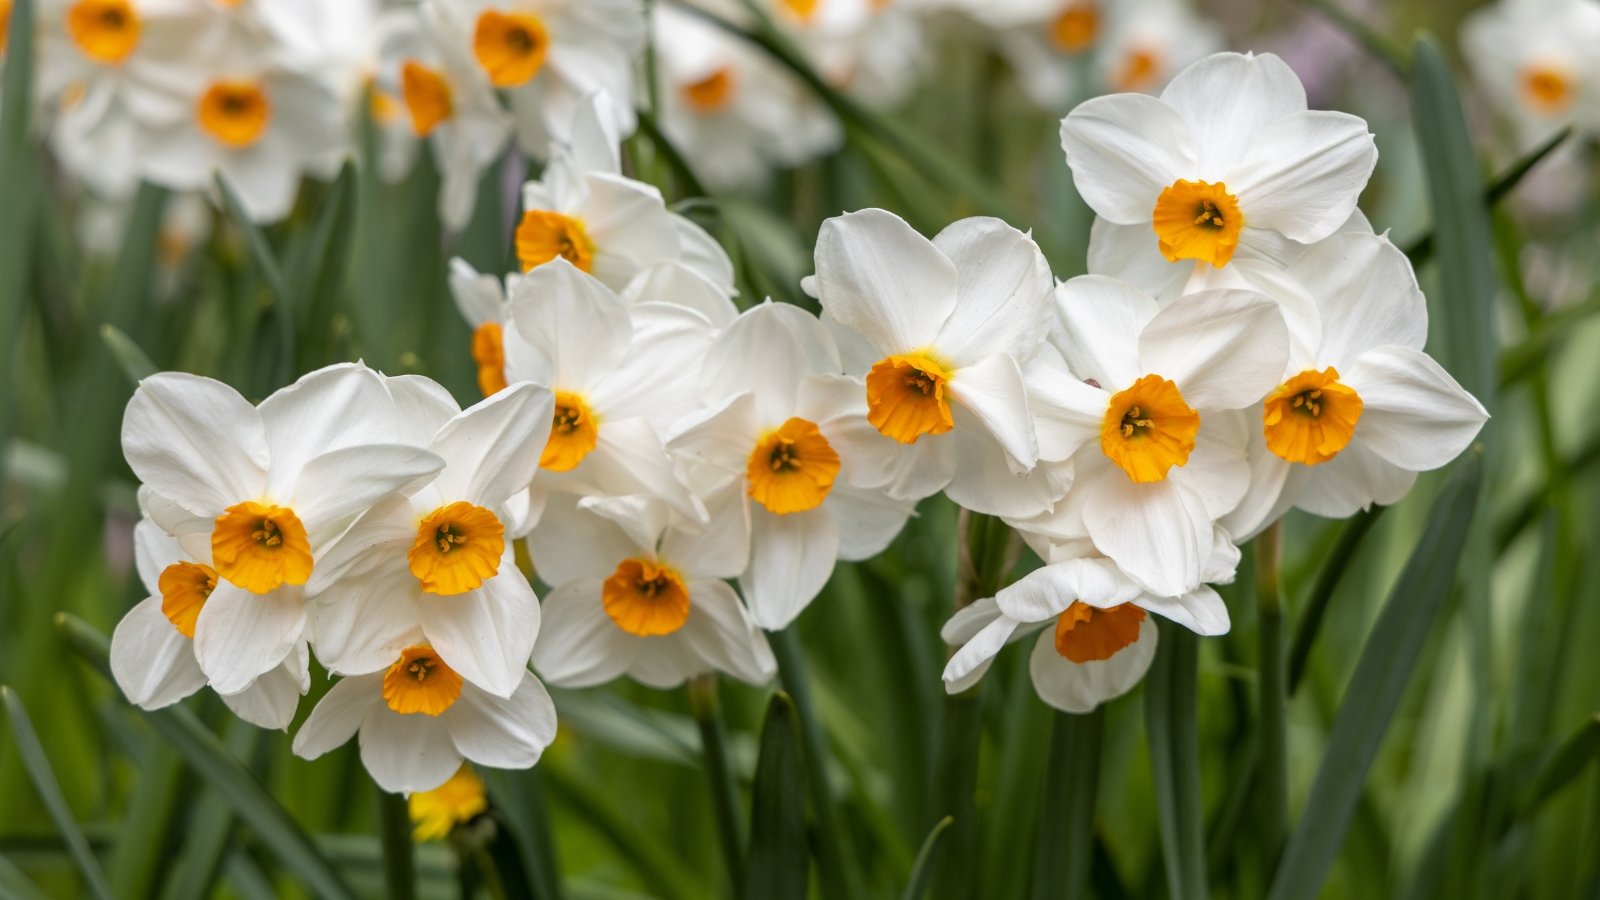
point(437, 566)
point(263, 491)
point(152, 648)
point(550, 56)
point(1360, 412)
point(789, 433)
point(941, 330)
point(1146, 400)
point(1227, 159)
point(419, 719)
point(436, 813)
point(871, 49)
point(634, 596)
point(1536, 59)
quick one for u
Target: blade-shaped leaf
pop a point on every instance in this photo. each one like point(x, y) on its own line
point(271, 272)
point(1066, 823)
point(1375, 688)
point(779, 861)
point(922, 869)
point(1170, 725)
point(130, 358)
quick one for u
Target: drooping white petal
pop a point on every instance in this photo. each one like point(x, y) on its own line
point(791, 558)
point(1158, 533)
point(407, 753)
point(152, 661)
point(1227, 99)
point(271, 701)
point(969, 663)
point(240, 636)
point(578, 644)
point(492, 450)
point(1413, 413)
point(1124, 149)
point(720, 632)
point(486, 634)
point(338, 715)
point(878, 277)
point(1048, 591)
point(983, 477)
point(1303, 174)
point(479, 297)
point(1224, 349)
point(1201, 611)
point(1080, 687)
point(508, 733)
point(1097, 320)
point(195, 441)
point(1002, 292)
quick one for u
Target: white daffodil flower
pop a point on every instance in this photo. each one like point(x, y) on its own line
point(1228, 160)
point(621, 375)
point(941, 330)
point(419, 719)
point(152, 648)
point(448, 100)
point(550, 56)
point(730, 109)
point(870, 49)
point(1157, 388)
point(635, 596)
point(437, 567)
point(1536, 60)
point(264, 490)
point(1357, 415)
point(790, 433)
point(1102, 641)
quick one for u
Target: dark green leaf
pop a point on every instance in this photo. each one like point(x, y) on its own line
point(779, 861)
point(394, 828)
point(1337, 563)
point(922, 869)
point(1499, 187)
point(1567, 763)
point(1170, 725)
point(519, 803)
point(1066, 821)
point(1375, 688)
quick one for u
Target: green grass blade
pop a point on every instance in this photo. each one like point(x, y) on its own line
point(19, 174)
point(147, 828)
point(792, 671)
point(922, 868)
point(1066, 825)
point(1272, 707)
point(707, 708)
point(211, 827)
point(209, 758)
point(129, 356)
point(1170, 725)
point(317, 272)
point(14, 884)
point(1566, 764)
point(1375, 688)
point(394, 828)
point(44, 780)
point(779, 862)
point(1498, 187)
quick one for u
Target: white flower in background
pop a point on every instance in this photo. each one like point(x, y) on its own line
point(584, 210)
point(263, 491)
point(419, 719)
point(258, 125)
point(942, 329)
point(872, 49)
point(550, 56)
point(1359, 413)
point(732, 111)
point(621, 375)
point(1536, 59)
point(448, 100)
point(791, 435)
point(634, 596)
point(1147, 42)
point(152, 648)
point(437, 567)
point(1228, 160)
point(1095, 641)
point(481, 300)
point(1159, 456)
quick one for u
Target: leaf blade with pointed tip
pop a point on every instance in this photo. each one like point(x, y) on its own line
point(779, 860)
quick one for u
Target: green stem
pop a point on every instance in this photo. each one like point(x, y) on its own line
point(1170, 723)
point(792, 671)
point(394, 828)
point(707, 709)
point(1066, 821)
point(1272, 774)
point(1305, 634)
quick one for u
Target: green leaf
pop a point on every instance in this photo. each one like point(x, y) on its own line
point(1333, 569)
point(14, 884)
point(1462, 311)
point(44, 780)
point(317, 271)
point(130, 358)
point(1498, 187)
point(1566, 764)
point(266, 263)
point(779, 860)
point(707, 708)
point(1375, 688)
point(1169, 721)
point(209, 758)
point(20, 176)
point(519, 804)
point(792, 671)
point(394, 829)
point(1066, 821)
point(922, 868)
point(211, 826)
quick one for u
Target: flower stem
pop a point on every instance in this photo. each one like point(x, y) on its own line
point(394, 829)
point(707, 709)
point(1066, 821)
point(1272, 776)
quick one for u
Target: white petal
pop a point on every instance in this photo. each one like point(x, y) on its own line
point(377, 540)
point(1067, 411)
point(577, 327)
point(1124, 149)
point(720, 549)
point(506, 733)
point(868, 520)
point(967, 621)
point(723, 434)
point(1048, 591)
point(241, 636)
point(407, 753)
point(570, 544)
point(1202, 611)
point(969, 663)
point(1080, 687)
point(1098, 322)
point(1218, 470)
point(1132, 253)
point(1158, 533)
point(479, 297)
point(270, 702)
point(629, 458)
point(492, 450)
point(881, 279)
point(1304, 173)
point(991, 391)
point(341, 484)
point(195, 441)
point(1002, 292)
point(338, 715)
point(1227, 99)
point(578, 644)
point(151, 660)
point(984, 478)
point(1413, 413)
point(791, 558)
point(1265, 501)
point(487, 634)
point(1350, 482)
point(719, 632)
point(768, 351)
point(674, 282)
point(1224, 349)
point(332, 408)
point(1367, 295)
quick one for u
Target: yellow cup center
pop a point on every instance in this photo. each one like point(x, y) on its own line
point(511, 47)
point(1311, 417)
point(792, 468)
point(1198, 220)
point(907, 397)
point(419, 682)
point(1148, 429)
point(646, 598)
point(457, 548)
point(260, 547)
point(1086, 633)
point(543, 235)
